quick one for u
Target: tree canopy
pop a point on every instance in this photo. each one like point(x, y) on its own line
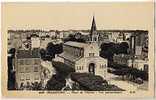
point(92, 82)
point(109, 49)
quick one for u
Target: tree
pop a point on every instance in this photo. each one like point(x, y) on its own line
point(89, 81)
point(43, 53)
point(123, 47)
point(50, 50)
point(135, 73)
point(58, 48)
point(121, 72)
point(86, 81)
point(63, 69)
point(36, 86)
point(55, 83)
point(107, 50)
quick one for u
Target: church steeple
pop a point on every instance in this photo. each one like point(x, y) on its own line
point(93, 27)
point(93, 32)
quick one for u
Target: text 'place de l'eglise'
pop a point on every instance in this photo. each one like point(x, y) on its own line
point(94, 60)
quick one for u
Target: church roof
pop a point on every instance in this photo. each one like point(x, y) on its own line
point(76, 44)
point(69, 57)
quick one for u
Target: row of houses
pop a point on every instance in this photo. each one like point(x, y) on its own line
point(32, 41)
point(27, 33)
point(131, 61)
point(105, 36)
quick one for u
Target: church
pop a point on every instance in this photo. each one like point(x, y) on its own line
point(84, 57)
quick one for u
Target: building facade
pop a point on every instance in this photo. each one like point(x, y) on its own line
point(122, 59)
point(14, 39)
point(27, 67)
point(84, 57)
point(35, 42)
point(128, 60)
point(139, 64)
point(138, 41)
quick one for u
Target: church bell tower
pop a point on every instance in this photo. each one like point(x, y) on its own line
point(93, 33)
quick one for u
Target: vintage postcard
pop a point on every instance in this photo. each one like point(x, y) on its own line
point(93, 50)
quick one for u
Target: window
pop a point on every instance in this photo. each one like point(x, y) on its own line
point(21, 62)
point(77, 52)
point(91, 54)
point(105, 72)
point(27, 69)
point(81, 52)
point(27, 77)
point(91, 68)
point(146, 67)
point(36, 77)
point(35, 68)
point(36, 61)
point(21, 77)
point(102, 66)
point(79, 67)
point(21, 69)
point(27, 62)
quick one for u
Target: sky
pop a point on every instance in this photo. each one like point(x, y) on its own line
point(65, 16)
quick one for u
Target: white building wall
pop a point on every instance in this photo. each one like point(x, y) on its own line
point(61, 35)
point(91, 48)
point(25, 73)
point(35, 42)
point(52, 34)
point(82, 66)
point(90, 55)
point(138, 63)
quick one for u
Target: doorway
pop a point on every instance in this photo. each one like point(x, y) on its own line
point(91, 68)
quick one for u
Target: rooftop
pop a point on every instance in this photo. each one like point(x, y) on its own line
point(35, 53)
point(69, 57)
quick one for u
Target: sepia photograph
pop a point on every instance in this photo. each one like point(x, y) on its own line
point(105, 49)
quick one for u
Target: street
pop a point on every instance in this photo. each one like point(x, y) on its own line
point(125, 84)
